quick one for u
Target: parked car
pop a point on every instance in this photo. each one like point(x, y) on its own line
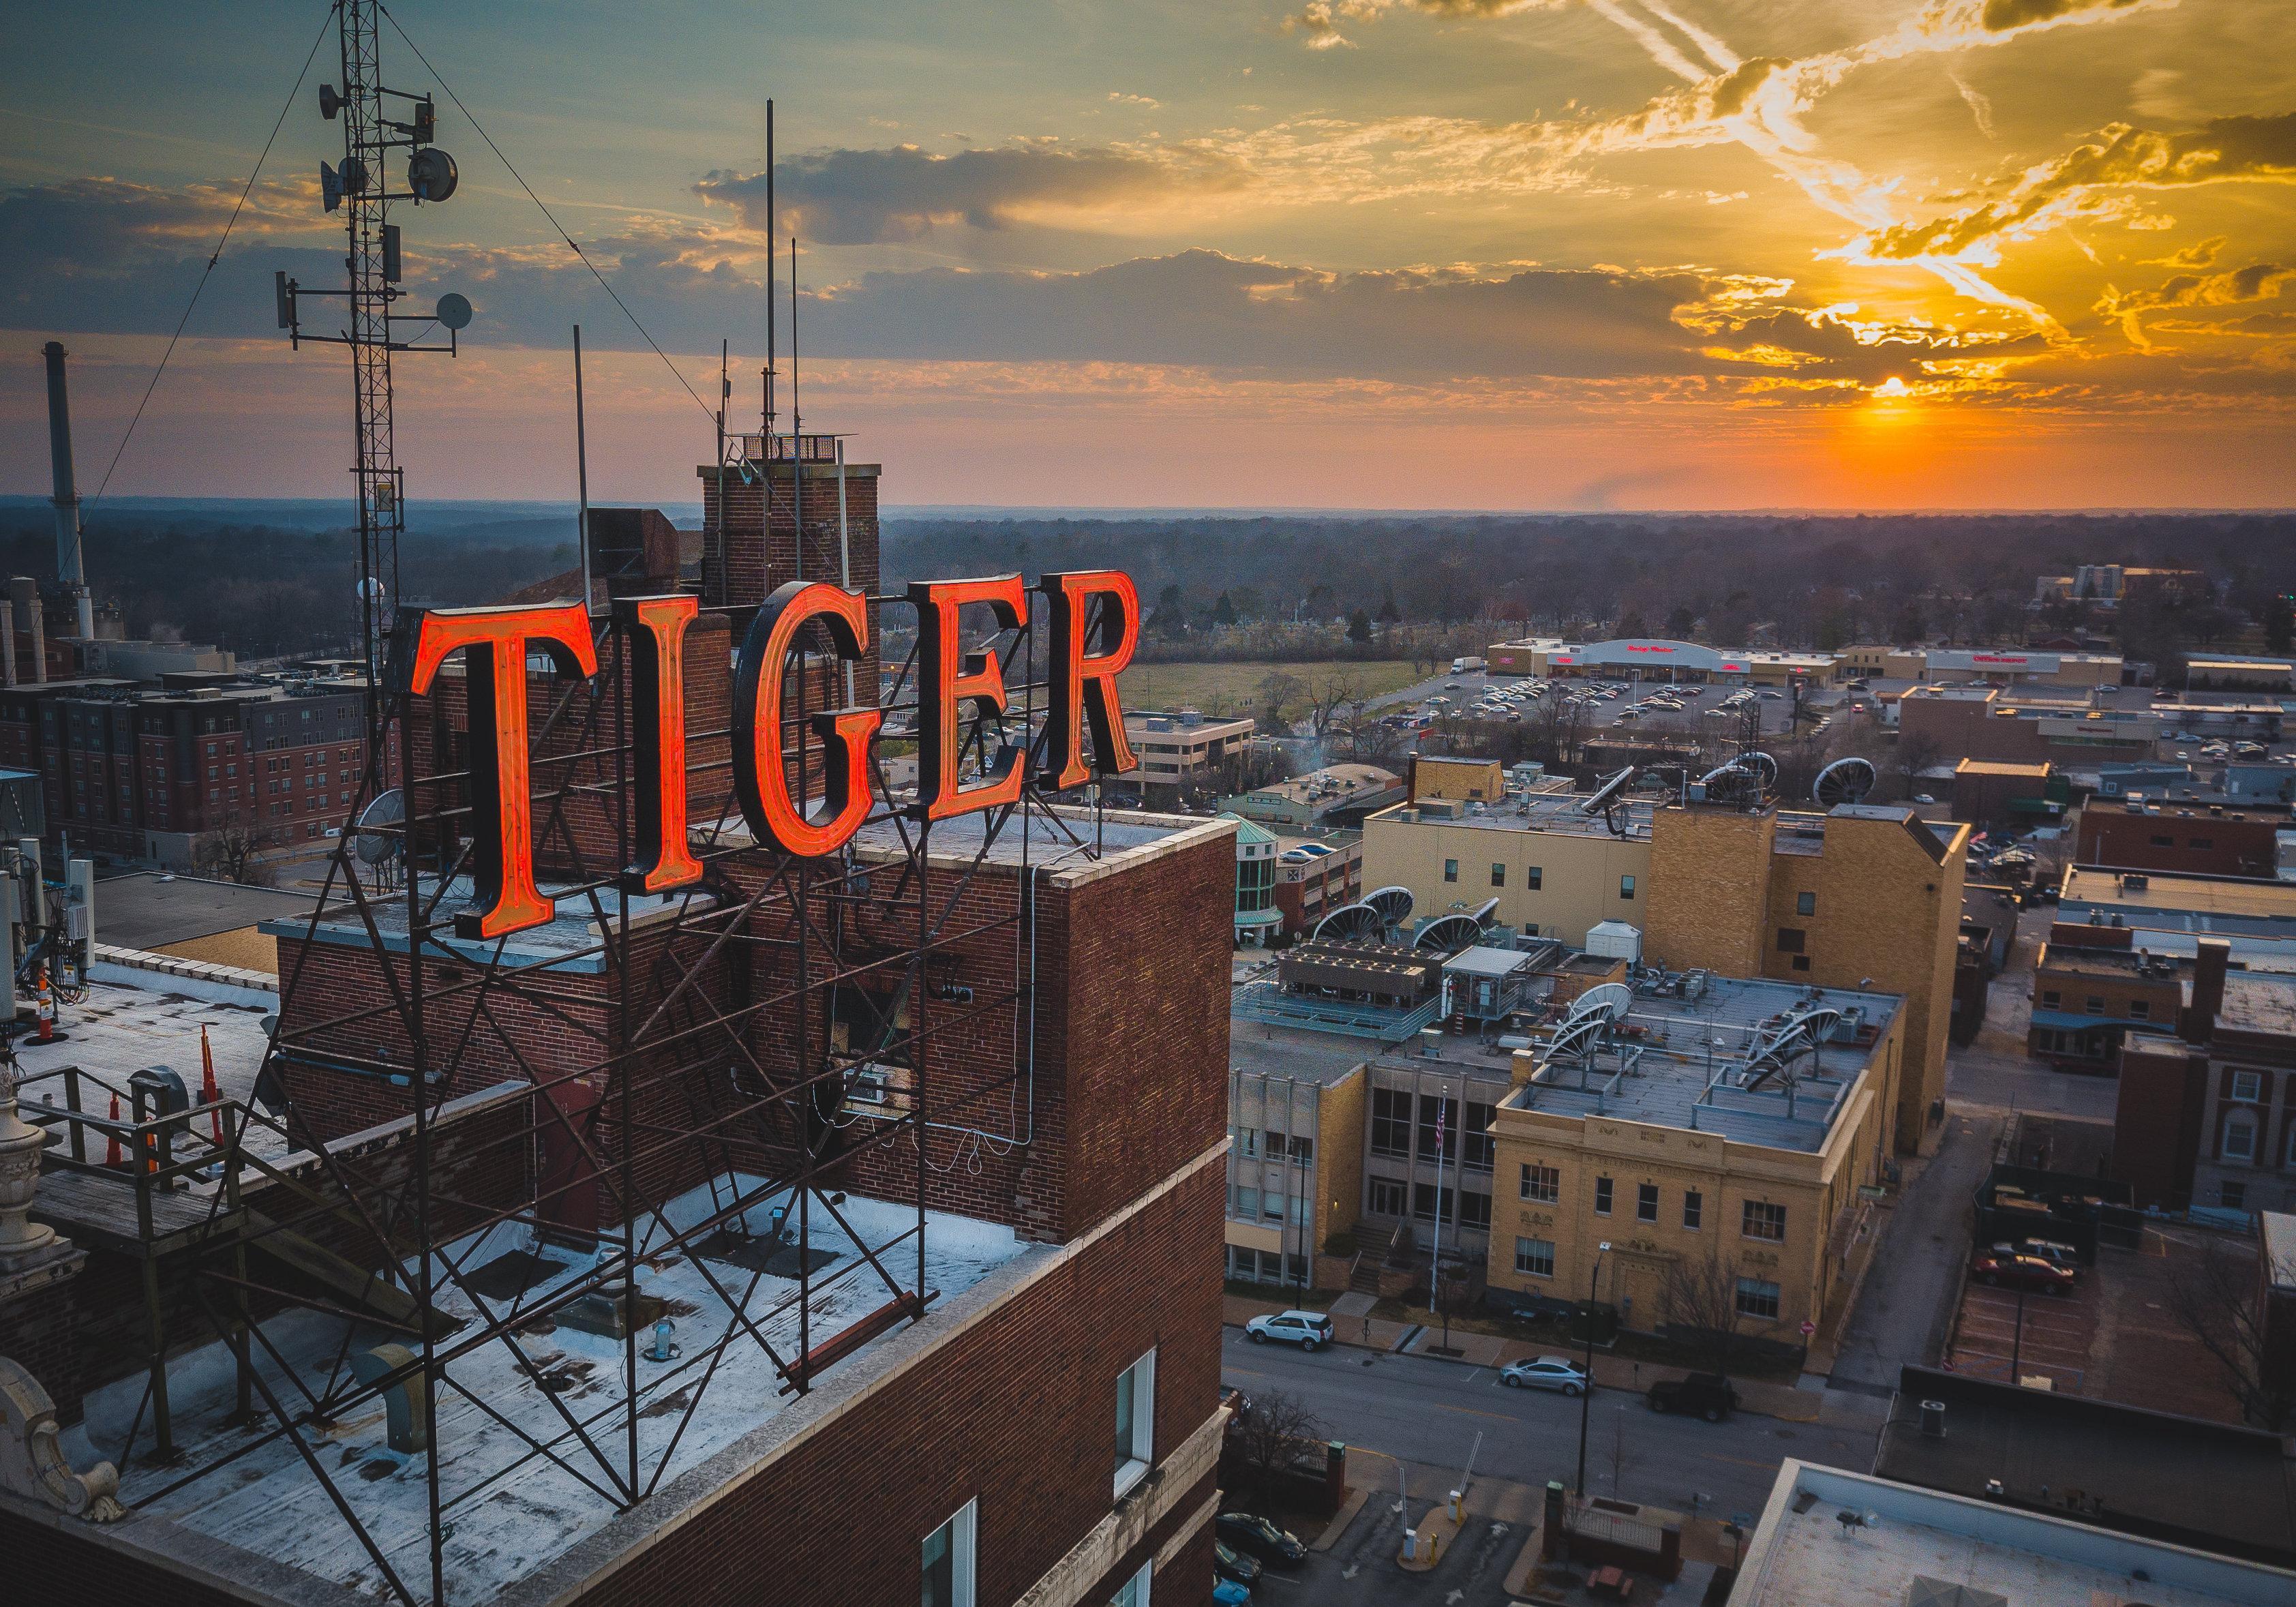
point(1230, 1563)
point(2049, 1249)
point(1256, 1537)
point(1706, 1395)
point(1238, 1403)
point(2022, 1272)
point(1308, 1330)
point(1227, 1593)
point(1925, 797)
point(1544, 1372)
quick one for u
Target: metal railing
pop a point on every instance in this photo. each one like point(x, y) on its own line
point(760, 448)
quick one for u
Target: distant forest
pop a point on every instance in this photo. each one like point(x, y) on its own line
point(1292, 585)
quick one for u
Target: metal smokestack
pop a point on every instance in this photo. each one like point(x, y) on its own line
point(69, 567)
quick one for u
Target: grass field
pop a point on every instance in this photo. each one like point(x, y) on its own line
point(1233, 689)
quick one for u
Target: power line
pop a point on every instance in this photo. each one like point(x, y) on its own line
point(213, 257)
point(546, 212)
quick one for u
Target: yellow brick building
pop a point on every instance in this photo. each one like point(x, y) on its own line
point(1722, 1206)
point(1296, 1121)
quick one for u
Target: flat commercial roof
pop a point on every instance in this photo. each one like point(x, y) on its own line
point(1266, 1050)
point(1682, 1077)
point(1551, 812)
point(2165, 893)
point(149, 909)
point(1924, 1549)
point(2259, 1003)
point(1479, 962)
point(2185, 1480)
point(520, 1515)
point(2003, 767)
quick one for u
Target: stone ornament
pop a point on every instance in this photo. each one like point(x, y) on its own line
point(21, 1146)
point(32, 1465)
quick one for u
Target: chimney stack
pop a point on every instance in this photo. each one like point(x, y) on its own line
point(2209, 967)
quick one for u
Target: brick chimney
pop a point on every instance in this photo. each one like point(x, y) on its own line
point(2209, 966)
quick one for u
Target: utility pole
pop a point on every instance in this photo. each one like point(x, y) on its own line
point(1586, 1395)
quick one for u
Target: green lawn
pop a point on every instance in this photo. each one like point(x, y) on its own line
point(1231, 689)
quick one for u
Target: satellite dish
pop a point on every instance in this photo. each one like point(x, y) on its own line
point(1600, 798)
point(1448, 933)
point(376, 843)
point(1485, 913)
point(1392, 903)
point(1610, 1000)
point(353, 176)
point(1763, 764)
point(1845, 781)
point(430, 174)
point(454, 310)
point(330, 102)
point(1351, 923)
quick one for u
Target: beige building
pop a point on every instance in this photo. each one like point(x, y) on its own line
point(1295, 1106)
point(1722, 1205)
point(1179, 749)
point(1867, 896)
point(1465, 780)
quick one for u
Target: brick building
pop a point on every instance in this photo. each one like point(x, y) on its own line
point(1987, 723)
point(2193, 839)
point(2092, 988)
point(1315, 875)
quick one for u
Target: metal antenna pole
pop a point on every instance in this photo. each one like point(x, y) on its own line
point(797, 427)
point(771, 345)
point(366, 211)
point(582, 471)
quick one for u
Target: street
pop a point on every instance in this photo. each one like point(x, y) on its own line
point(1417, 1417)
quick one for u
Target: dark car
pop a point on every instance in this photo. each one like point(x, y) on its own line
point(1239, 1405)
point(2022, 1272)
point(1232, 1564)
point(1706, 1395)
point(2053, 1250)
point(1246, 1532)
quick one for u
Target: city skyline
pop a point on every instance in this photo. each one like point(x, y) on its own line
point(1357, 254)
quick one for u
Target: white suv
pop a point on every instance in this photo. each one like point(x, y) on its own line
point(1308, 1330)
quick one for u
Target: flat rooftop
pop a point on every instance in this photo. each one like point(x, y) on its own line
point(1803, 1554)
point(150, 910)
point(1263, 1049)
point(2167, 894)
point(1680, 1069)
point(2262, 1002)
point(571, 940)
point(515, 1516)
point(1065, 844)
point(1557, 812)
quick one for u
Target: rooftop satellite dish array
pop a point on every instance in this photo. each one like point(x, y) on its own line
point(1371, 919)
point(1593, 1014)
point(1777, 1050)
point(1607, 798)
point(1744, 780)
point(1845, 781)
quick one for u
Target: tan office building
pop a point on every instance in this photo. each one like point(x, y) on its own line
point(1723, 1206)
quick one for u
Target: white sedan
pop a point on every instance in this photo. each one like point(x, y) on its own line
point(1544, 1372)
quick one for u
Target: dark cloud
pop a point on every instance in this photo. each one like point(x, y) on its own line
point(854, 197)
point(2228, 149)
point(2004, 16)
point(2258, 282)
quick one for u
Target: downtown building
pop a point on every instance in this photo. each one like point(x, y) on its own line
point(836, 1232)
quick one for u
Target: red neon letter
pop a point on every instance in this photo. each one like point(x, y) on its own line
point(1084, 682)
point(948, 676)
point(761, 766)
point(655, 629)
point(502, 850)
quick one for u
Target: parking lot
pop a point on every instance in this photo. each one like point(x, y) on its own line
point(1613, 700)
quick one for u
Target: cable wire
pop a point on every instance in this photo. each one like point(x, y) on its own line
point(480, 130)
point(213, 257)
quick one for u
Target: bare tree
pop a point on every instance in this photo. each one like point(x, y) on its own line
point(2213, 1295)
point(233, 855)
point(1912, 754)
point(1702, 1298)
point(1279, 1435)
point(1275, 692)
point(1326, 700)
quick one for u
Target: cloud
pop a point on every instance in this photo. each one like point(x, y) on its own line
point(2200, 255)
point(2006, 16)
point(855, 197)
point(2228, 150)
point(2258, 282)
point(1317, 23)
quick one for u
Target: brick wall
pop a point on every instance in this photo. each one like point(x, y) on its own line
point(1708, 878)
point(2190, 841)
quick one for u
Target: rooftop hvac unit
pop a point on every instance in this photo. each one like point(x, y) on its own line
point(1616, 940)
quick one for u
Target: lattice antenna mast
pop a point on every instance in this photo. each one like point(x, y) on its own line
point(371, 113)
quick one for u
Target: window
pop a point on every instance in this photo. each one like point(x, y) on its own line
point(1625, 887)
point(2051, 999)
point(1534, 1257)
point(1758, 1298)
point(948, 1560)
point(2231, 1195)
point(1646, 1202)
point(1390, 1122)
point(1271, 1205)
point(1498, 874)
point(1693, 1209)
point(1245, 1206)
point(2204, 843)
point(1135, 1422)
point(1791, 939)
point(2140, 1009)
point(1534, 877)
point(1804, 903)
point(1134, 1592)
point(1303, 1150)
point(2248, 1086)
point(1601, 1196)
point(1439, 1128)
point(2094, 1005)
point(1542, 1184)
point(2240, 1136)
point(1763, 1221)
point(1247, 1141)
point(1801, 962)
point(1450, 870)
point(2162, 841)
point(1481, 1153)
point(1387, 1197)
point(1474, 1211)
point(1424, 1200)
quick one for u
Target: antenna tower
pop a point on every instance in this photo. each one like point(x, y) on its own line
point(362, 189)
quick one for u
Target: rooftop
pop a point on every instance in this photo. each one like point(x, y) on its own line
point(1990, 767)
point(150, 910)
point(1557, 812)
point(1262, 1049)
point(2072, 960)
point(2259, 1002)
point(1803, 1553)
point(1676, 1060)
point(2161, 893)
point(517, 1515)
point(1332, 782)
point(2184, 1478)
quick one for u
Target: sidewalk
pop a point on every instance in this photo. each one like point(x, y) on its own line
point(1782, 1401)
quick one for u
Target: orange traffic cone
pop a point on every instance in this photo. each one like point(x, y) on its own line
point(210, 1096)
point(112, 1139)
point(45, 1014)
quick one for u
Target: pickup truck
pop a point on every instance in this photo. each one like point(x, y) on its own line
point(1706, 1395)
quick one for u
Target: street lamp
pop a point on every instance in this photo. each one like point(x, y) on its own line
point(1586, 1394)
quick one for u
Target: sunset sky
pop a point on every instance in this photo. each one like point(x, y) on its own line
point(1514, 254)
